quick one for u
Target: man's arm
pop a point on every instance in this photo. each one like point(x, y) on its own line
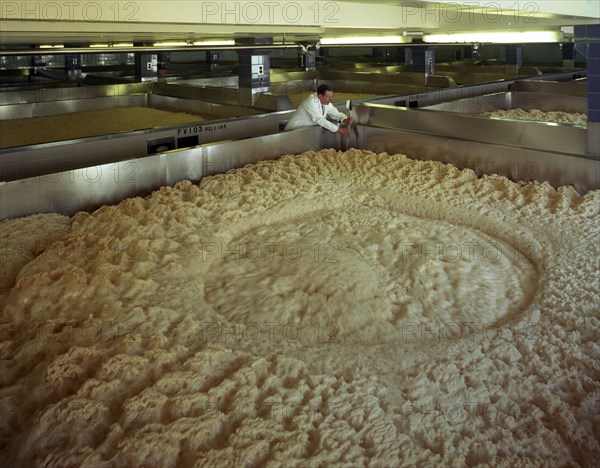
point(315, 111)
point(332, 112)
point(335, 114)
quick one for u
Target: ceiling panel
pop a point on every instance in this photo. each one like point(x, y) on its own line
point(36, 22)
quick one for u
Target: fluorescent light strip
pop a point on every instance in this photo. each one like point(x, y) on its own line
point(52, 46)
point(214, 43)
point(171, 44)
point(496, 37)
point(365, 40)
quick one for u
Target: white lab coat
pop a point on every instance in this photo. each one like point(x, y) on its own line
point(311, 112)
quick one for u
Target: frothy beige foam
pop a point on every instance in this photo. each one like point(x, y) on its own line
point(323, 309)
point(544, 116)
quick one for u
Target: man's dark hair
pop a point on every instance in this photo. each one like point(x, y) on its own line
point(321, 90)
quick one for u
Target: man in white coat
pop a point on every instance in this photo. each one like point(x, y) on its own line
point(315, 109)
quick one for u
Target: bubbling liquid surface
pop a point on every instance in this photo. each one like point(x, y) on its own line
point(367, 267)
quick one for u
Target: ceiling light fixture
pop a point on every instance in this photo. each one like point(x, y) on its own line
point(365, 40)
point(215, 43)
point(496, 37)
point(171, 44)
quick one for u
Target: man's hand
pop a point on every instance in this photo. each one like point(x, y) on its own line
point(344, 131)
point(348, 120)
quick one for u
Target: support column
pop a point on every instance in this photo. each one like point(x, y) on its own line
point(423, 61)
point(468, 52)
point(34, 60)
point(407, 56)
point(307, 59)
point(253, 69)
point(73, 66)
point(323, 54)
point(212, 59)
point(146, 65)
point(514, 59)
point(164, 58)
point(568, 54)
point(382, 54)
point(587, 39)
point(73, 63)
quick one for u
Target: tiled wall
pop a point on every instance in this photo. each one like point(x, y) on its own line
point(590, 36)
point(423, 59)
point(594, 82)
